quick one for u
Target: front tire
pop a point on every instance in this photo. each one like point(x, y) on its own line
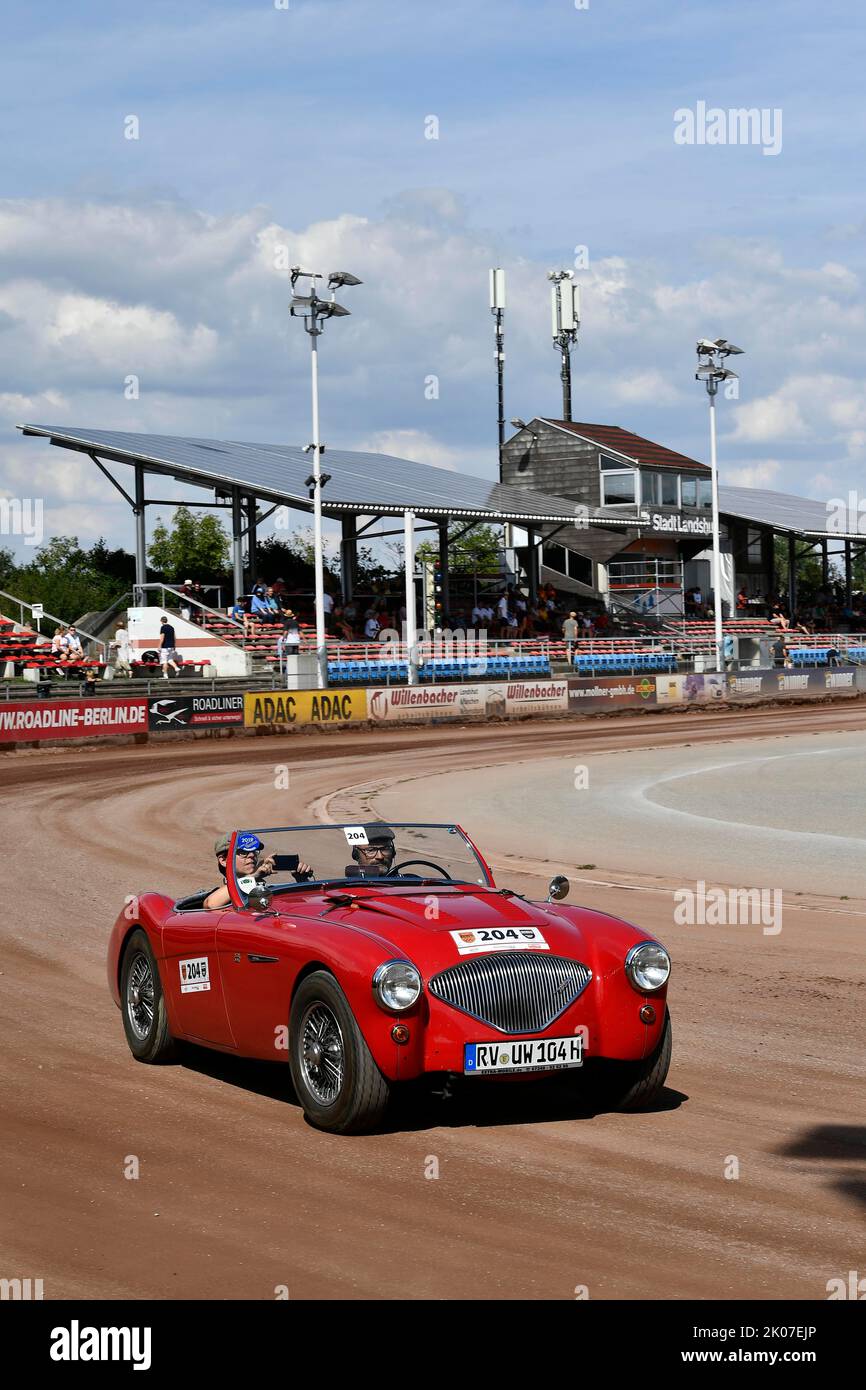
point(335, 1077)
point(634, 1085)
point(142, 1002)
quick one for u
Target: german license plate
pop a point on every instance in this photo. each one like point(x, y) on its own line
point(535, 1054)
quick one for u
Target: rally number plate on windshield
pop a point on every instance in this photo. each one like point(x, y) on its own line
point(535, 1054)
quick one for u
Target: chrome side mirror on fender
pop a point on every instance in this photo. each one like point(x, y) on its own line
point(558, 888)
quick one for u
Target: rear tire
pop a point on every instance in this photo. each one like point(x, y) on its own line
point(335, 1077)
point(142, 1002)
point(634, 1085)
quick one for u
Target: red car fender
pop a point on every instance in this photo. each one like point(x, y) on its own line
point(145, 911)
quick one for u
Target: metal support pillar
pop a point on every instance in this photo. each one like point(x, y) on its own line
point(532, 564)
point(445, 596)
point(848, 573)
point(792, 573)
point(140, 528)
point(237, 543)
point(348, 558)
point(252, 540)
point(411, 630)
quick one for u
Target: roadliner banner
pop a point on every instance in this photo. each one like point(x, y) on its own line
point(277, 707)
point(196, 711)
point(28, 720)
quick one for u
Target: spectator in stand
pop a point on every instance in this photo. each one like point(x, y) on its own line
point(186, 593)
point(341, 626)
point(74, 651)
point(290, 641)
point(371, 626)
point(168, 652)
point(198, 594)
point(350, 616)
point(778, 619)
point(279, 588)
point(238, 610)
point(263, 607)
point(260, 588)
point(742, 600)
point(602, 621)
point(60, 649)
point(119, 644)
point(570, 633)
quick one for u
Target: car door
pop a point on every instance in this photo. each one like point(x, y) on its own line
point(259, 960)
point(192, 976)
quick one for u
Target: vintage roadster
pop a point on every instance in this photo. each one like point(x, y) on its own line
point(368, 955)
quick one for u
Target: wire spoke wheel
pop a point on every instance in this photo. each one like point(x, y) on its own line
point(140, 996)
point(322, 1053)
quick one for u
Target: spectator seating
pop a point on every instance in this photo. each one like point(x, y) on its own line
point(481, 667)
point(590, 663)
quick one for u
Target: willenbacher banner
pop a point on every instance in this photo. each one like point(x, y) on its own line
point(535, 697)
point(390, 704)
point(283, 707)
point(196, 711)
point(610, 692)
point(28, 720)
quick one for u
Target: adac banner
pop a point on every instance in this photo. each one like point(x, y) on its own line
point(195, 712)
point(393, 703)
point(754, 684)
point(25, 721)
point(275, 708)
point(610, 692)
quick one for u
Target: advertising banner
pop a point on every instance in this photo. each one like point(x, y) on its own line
point(195, 711)
point(283, 707)
point(754, 684)
point(390, 704)
point(535, 697)
point(610, 692)
point(27, 720)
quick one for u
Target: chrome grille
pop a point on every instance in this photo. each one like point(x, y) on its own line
point(516, 992)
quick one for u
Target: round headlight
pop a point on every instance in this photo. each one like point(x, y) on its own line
point(397, 985)
point(648, 966)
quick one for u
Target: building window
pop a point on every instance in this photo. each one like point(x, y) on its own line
point(705, 492)
point(670, 489)
point(754, 549)
point(690, 492)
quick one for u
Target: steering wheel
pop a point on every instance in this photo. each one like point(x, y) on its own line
point(428, 863)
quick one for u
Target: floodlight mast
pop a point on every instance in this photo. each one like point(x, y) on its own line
point(565, 313)
point(497, 309)
point(711, 370)
point(314, 312)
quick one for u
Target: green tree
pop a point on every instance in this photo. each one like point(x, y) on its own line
point(193, 547)
point(478, 552)
point(65, 579)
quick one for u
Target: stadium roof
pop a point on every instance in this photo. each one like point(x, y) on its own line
point(359, 482)
point(781, 510)
point(381, 483)
point(631, 446)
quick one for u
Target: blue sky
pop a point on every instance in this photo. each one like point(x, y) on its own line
point(305, 127)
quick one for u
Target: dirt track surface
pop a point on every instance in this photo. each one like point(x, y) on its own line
point(237, 1194)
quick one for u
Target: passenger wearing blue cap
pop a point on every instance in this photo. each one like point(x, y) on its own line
point(248, 864)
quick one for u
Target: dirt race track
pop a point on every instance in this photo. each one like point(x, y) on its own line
point(237, 1194)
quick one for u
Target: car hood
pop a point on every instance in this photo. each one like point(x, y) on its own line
point(419, 923)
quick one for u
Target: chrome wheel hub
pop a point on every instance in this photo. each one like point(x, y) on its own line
point(140, 996)
point(322, 1053)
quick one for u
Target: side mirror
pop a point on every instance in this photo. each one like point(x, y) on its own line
point(558, 888)
point(259, 898)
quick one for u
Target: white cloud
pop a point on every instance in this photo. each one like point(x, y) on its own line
point(764, 474)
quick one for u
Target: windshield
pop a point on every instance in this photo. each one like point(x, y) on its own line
point(288, 858)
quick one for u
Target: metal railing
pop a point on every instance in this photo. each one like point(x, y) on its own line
point(52, 618)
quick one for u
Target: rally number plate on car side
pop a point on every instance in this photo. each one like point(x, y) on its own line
point(534, 1054)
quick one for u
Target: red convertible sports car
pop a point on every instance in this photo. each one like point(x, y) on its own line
point(368, 955)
